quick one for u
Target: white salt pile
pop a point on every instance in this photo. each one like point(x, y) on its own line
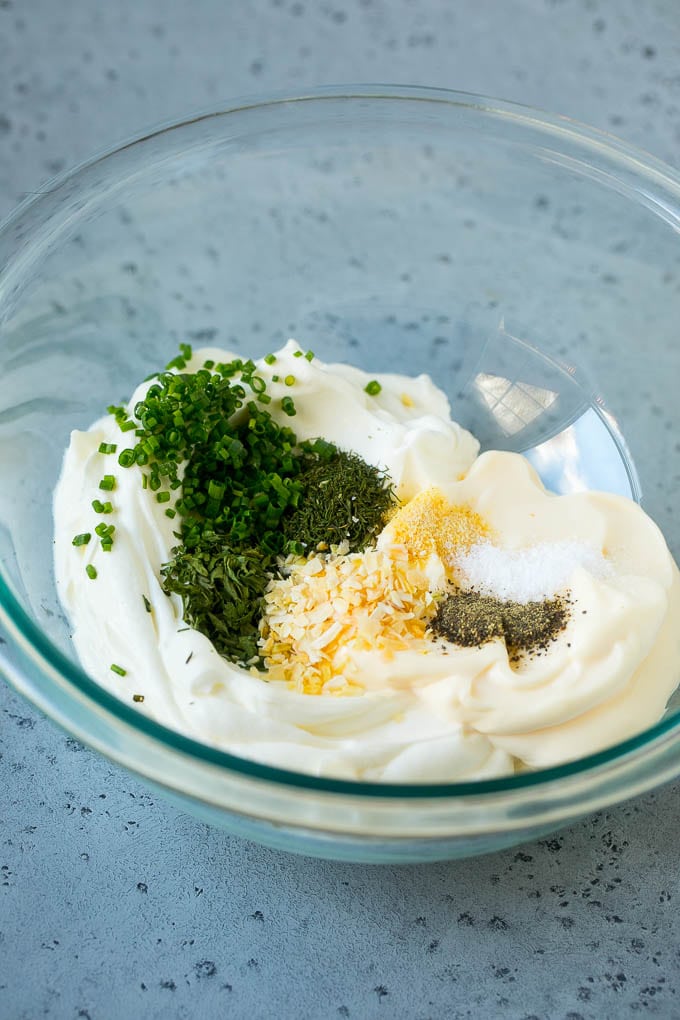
point(526, 575)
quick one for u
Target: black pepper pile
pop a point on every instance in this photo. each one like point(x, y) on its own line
point(469, 619)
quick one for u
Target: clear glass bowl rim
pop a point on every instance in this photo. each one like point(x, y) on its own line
point(84, 694)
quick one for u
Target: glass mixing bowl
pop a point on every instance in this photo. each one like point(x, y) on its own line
point(529, 264)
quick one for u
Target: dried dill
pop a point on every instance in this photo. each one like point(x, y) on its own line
point(222, 590)
point(470, 619)
point(343, 499)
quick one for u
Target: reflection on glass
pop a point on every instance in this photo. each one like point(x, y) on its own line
point(514, 405)
point(518, 398)
point(587, 455)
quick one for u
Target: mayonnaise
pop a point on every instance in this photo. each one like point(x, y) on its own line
point(450, 714)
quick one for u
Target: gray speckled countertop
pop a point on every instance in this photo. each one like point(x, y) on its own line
point(112, 903)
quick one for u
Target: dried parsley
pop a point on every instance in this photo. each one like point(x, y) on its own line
point(222, 591)
point(343, 499)
point(470, 619)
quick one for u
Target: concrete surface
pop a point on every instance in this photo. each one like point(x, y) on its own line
point(112, 903)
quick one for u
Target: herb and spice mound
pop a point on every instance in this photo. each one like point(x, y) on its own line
point(311, 566)
point(248, 491)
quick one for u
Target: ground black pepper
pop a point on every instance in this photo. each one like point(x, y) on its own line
point(469, 619)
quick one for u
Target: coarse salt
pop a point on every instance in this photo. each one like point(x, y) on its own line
point(526, 575)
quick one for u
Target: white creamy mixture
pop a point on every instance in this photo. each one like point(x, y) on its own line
point(446, 713)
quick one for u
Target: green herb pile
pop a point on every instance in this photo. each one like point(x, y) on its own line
point(247, 492)
point(222, 589)
point(343, 499)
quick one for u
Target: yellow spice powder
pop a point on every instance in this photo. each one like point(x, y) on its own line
point(430, 524)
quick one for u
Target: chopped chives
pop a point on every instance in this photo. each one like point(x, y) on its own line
point(162, 497)
point(108, 483)
point(102, 508)
point(82, 539)
point(115, 668)
point(179, 363)
point(138, 698)
point(287, 406)
point(147, 604)
point(107, 447)
point(297, 354)
point(275, 378)
point(269, 359)
point(170, 512)
point(105, 532)
point(373, 388)
point(309, 355)
point(91, 571)
point(289, 380)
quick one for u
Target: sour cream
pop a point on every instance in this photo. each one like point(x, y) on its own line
point(451, 714)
